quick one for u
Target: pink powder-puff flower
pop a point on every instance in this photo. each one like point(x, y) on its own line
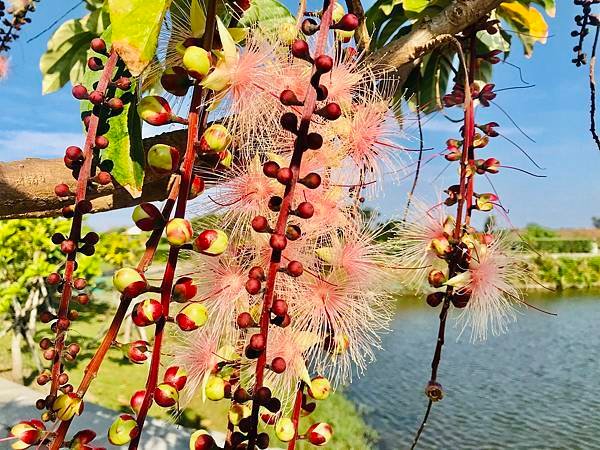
point(4, 67)
point(495, 271)
point(419, 241)
point(338, 310)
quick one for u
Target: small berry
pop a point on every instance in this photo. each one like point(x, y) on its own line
point(101, 142)
point(96, 97)
point(279, 307)
point(95, 64)
point(79, 284)
point(278, 365)
point(324, 63)
point(136, 351)
point(83, 299)
point(104, 178)
point(331, 111)
point(293, 232)
point(62, 190)
point(253, 286)
point(278, 242)
point(74, 153)
point(98, 45)
point(270, 169)
point(284, 175)
point(257, 273)
point(260, 224)
point(435, 298)
point(115, 103)
point(314, 141)
point(322, 92)
point(311, 181)
point(289, 122)
point(289, 98)
point(80, 92)
point(275, 203)
point(300, 50)
point(349, 22)
point(244, 320)
point(123, 83)
point(263, 395)
point(257, 342)
point(294, 268)
point(305, 210)
point(68, 246)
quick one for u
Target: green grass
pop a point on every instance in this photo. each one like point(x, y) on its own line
point(118, 379)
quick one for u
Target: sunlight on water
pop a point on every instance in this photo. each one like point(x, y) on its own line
point(536, 387)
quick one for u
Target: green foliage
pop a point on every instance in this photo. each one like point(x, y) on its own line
point(136, 25)
point(535, 231)
point(551, 245)
point(66, 57)
point(28, 255)
point(118, 249)
point(563, 273)
point(269, 15)
point(389, 20)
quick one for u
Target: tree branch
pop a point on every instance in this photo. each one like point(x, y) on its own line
point(402, 55)
point(27, 186)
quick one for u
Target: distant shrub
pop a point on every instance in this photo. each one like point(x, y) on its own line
point(553, 245)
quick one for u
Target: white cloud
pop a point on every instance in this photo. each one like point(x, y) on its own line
point(20, 144)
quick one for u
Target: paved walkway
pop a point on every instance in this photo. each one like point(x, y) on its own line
point(17, 403)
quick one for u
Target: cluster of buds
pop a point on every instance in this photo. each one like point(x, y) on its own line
point(457, 97)
point(19, 11)
point(584, 21)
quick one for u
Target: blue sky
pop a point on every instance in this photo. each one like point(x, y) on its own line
point(554, 113)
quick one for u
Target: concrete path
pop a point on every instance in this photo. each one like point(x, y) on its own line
point(17, 403)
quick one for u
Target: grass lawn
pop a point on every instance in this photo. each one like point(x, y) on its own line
point(118, 379)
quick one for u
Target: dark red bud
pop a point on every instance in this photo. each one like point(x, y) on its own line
point(324, 63)
point(314, 141)
point(80, 92)
point(349, 22)
point(305, 210)
point(253, 286)
point(260, 224)
point(279, 307)
point(294, 268)
point(278, 365)
point(257, 342)
point(244, 320)
point(300, 50)
point(284, 175)
point(278, 242)
point(62, 190)
point(257, 273)
point(270, 169)
point(331, 111)
point(289, 122)
point(74, 153)
point(95, 64)
point(288, 98)
point(101, 142)
point(311, 181)
point(98, 45)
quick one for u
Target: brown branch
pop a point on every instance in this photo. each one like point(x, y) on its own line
point(403, 54)
point(27, 186)
point(593, 90)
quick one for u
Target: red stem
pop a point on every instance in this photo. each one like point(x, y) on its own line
point(296, 415)
point(286, 206)
point(196, 123)
point(93, 366)
point(75, 233)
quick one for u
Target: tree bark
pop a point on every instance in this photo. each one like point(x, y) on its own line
point(17, 357)
point(27, 186)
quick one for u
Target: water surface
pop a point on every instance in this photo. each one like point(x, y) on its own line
point(537, 387)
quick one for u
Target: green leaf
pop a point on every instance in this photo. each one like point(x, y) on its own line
point(269, 15)
point(197, 18)
point(136, 26)
point(66, 56)
point(548, 5)
point(416, 6)
point(125, 154)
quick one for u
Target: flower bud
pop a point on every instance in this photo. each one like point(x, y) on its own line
point(434, 391)
point(344, 36)
point(225, 159)
point(485, 202)
point(436, 278)
point(129, 282)
point(147, 217)
point(147, 312)
point(441, 247)
point(215, 139)
point(179, 232)
point(166, 395)
point(201, 440)
point(175, 81)
point(284, 429)
point(238, 412)
point(192, 317)
point(348, 22)
point(197, 62)
point(177, 376)
point(123, 430)
point(337, 344)
point(136, 351)
point(319, 433)
point(435, 298)
point(184, 290)
point(136, 400)
point(196, 187)
point(28, 432)
point(81, 440)
point(215, 388)
point(211, 242)
point(492, 165)
point(66, 406)
point(155, 110)
point(163, 159)
point(319, 388)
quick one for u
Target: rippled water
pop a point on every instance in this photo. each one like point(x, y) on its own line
point(537, 387)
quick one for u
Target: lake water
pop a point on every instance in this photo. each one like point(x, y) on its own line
point(537, 387)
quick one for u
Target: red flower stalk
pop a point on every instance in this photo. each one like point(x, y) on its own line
point(278, 236)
